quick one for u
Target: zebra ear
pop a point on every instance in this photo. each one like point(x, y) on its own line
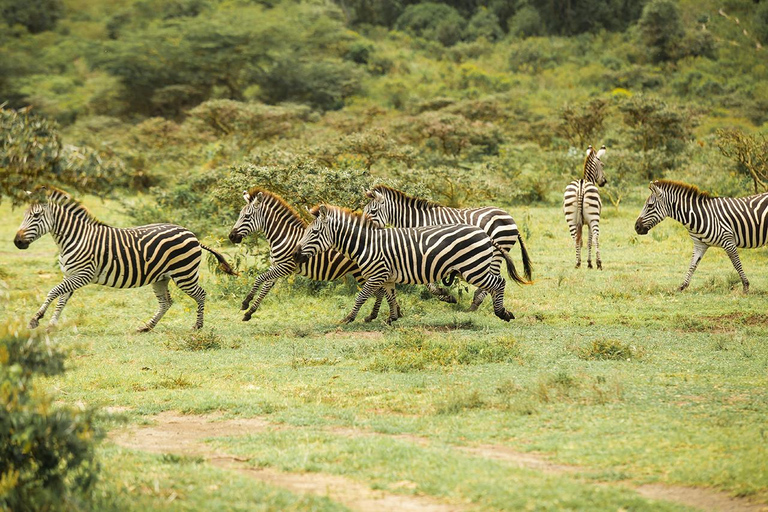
point(601, 152)
point(323, 212)
point(378, 195)
point(654, 189)
point(259, 198)
point(368, 193)
point(589, 150)
point(246, 196)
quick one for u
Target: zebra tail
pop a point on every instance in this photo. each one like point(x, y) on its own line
point(511, 270)
point(223, 265)
point(526, 259)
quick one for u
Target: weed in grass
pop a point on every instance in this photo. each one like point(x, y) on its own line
point(177, 382)
point(460, 402)
point(720, 345)
point(513, 398)
point(194, 341)
point(602, 349)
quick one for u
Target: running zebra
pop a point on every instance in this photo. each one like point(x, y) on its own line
point(93, 252)
point(582, 206)
point(407, 255)
point(389, 206)
point(283, 228)
point(727, 222)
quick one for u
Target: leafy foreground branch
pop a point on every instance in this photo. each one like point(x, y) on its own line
point(46, 452)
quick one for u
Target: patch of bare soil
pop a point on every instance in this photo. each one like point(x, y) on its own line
point(704, 499)
point(520, 459)
point(184, 435)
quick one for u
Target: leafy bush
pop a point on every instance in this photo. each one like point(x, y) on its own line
point(47, 459)
point(582, 123)
point(35, 15)
point(526, 23)
point(484, 23)
point(433, 21)
point(661, 29)
point(750, 153)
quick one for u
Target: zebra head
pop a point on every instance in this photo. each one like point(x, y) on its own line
point(654, 210)
point(251, 218)
point(377, 209)
point(593, 167)
point(38, 221)
point(316, 238)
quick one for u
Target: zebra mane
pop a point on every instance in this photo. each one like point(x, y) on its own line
point(357, 217)
point(417, 201)
point(279, 201)
point(58, 196)
point(680, 185)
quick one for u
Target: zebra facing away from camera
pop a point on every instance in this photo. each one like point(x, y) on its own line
point(407, 255)
point(727, 222)
point(268, 213)
point(389, 206)
point(93, 252)
point(582, 206)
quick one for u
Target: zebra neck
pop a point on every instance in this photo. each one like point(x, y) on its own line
point(280, 229)
point(70, 226)
point(350, 238)
point(686, 209)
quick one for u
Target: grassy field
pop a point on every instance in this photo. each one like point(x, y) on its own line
point(606, 385)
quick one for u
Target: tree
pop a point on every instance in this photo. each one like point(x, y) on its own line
point(32, 153)
point(581, 123)
point(661, 29)
point(750, 153)
point(431, 20)
point(36, 15)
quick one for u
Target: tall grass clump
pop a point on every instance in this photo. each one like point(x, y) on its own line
point(608, 349)
point(47, 459)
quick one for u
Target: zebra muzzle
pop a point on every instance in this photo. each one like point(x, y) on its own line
point(299, 257)
point(640, 228)
point(19, 241)
point(235, 237)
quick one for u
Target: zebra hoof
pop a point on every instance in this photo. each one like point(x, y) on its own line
point(197, 327)
point(589, 264)
point(245, 305)
point(246, 317)
point(145, 328)
point(578, 265)
point(473, 307)
point(34, 323)
point(346, 320)
point(370, 318)
point(506, 315)
point(599, 266)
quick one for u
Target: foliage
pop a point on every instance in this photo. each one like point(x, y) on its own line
point(661, 29)
point(32, 153)
point(750, 152)
point(35, 15)
point(484, 23)
point(582, 123)
point(46, 453)
point(433, 21)
point(526, 22)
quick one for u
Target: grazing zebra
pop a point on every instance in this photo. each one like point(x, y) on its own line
point(582, 206)
point(93, 252)
point(727, 222)
point(283, 228)
point(407, 255)
point(389, 206)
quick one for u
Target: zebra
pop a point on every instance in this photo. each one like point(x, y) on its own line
point(407, 255)
point(582, 206)
point(727, 222)
point(93, 252)
point(389, 206)
point(268, 213)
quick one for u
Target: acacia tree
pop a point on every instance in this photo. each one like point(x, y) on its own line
point(581, 123)
point(750, 153)
point(32, 153)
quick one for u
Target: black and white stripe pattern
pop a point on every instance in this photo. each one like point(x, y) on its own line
point(93, 252)
point(389, 206)
point(727, 222)
point(582, 206)
point(269, 214)
point(406, 255)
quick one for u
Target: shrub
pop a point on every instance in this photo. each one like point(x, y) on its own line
point(750, 153)
point(526, 23)
point(608, 349)
point(47, 459)
point(433, 21)
point(35, 15)
point(484, 23)
point(661, 29)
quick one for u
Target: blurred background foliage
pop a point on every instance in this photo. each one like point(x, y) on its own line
point(176, 106)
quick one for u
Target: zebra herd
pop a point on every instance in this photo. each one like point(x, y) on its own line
point(427, 243)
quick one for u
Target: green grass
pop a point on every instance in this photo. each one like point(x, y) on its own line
point(612, 371)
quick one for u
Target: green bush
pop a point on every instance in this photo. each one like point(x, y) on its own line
point(47, 457)
point(35, 15)
point(433, 21)
point(661, 29)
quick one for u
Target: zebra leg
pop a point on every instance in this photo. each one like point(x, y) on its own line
point(263, 293)
point(480, 293)
point(441, 293)
point(699, 249)
point(589, 247)
point(59, 306)
point(577, 241)
point(191, 288)
point(376, 306)
point(164, 300)
point(596, 242)
point(734, 255)
point(370, 288)
point(394, 307)
point(66, 287)
point(494, 284)
point(270, 275)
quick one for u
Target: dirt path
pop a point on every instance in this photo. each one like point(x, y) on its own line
point(185, 435)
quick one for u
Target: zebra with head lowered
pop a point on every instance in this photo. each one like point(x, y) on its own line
point(582, 206)
point(389, 206)
point(407, 255)
point(268, 213)
point(93, 252)
point(727, 222)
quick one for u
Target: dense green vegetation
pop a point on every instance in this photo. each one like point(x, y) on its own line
point(169, 109)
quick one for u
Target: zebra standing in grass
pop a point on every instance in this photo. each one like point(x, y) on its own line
point(582, 206)
point(283, 228)
point(93, 252)
point(407, 255)
point(389, 206)
point(727, 222)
